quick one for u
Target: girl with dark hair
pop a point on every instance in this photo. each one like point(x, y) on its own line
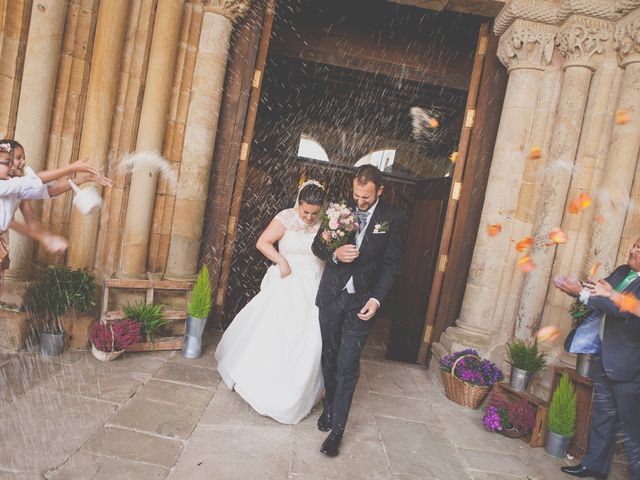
point(270, 354)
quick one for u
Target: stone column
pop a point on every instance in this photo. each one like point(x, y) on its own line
point(35, 107)
point(525, 49)
point(613, 194)
point(96, 129)
point(153, 121)
point(200, 134)
point(578, 40)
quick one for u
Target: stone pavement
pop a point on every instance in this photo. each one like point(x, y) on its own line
point(159, 415)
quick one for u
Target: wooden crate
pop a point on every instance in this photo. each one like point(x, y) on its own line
point(584, 392)
point(150, 286)
point(541, 407)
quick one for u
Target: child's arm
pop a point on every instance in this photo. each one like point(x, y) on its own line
point(51, 242)
point(76, 167)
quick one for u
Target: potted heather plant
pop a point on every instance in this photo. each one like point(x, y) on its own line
point(467, 378)
point(561, 419)
point(525, 360)
point(59, 291)
point(110, 339)
point(512, 419)
point(199, 308)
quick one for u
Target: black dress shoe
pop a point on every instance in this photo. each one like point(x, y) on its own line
point(581, 471)
point(324, 421)
point(332, 442)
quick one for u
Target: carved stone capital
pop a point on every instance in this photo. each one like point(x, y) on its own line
point(232, 9)
point(626, 39)
point(580, 38)
point(527, 45)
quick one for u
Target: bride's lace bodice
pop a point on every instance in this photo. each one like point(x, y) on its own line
point(298, 236)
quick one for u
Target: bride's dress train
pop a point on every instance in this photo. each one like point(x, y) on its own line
point(270, 354)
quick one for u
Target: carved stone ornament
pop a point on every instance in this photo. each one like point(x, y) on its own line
point(522, 46)
point(232, 9)
point(626, 41)
point(578, 43)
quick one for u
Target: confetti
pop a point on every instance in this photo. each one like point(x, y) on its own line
point(557, 235)
point(580, 203)
point(622, 117)
point(594, 269)
point(524, 244)
point(548, 334)
point(453, 157)
point(599, 219)
point(535, 153)
point(627, 302)
point(433, 123)
point(494, 229)
point(525, 264)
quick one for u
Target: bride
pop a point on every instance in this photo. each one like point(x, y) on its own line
point(270, 354)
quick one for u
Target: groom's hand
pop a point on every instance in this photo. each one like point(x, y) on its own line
point(347, 253)
point(369, 310)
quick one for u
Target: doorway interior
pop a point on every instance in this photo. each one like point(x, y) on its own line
point(352, 82)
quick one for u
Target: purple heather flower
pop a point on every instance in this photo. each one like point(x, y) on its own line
point(491, 419)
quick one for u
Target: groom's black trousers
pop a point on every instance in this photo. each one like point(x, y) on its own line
point(343, 338)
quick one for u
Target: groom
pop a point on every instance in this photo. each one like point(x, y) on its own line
point(357, 278)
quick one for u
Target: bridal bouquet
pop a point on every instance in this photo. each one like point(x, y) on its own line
point(339, 221)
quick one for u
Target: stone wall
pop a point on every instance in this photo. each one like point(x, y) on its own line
point(572, 66)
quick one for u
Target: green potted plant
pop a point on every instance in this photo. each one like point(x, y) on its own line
point(199, 308)
point(58, 291)
point(150, 317)
point(561, 419)
point(525, 361)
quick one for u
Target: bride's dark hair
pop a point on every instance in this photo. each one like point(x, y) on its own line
point(311, 194)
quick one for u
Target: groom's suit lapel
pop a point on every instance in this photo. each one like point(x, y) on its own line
point(375, 218)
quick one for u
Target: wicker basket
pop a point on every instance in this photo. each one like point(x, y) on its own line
point(105, 356)
point(460, 392)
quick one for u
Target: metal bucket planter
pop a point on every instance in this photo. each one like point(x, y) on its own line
point(51, 344)
point(583, 365)
point(519, 379)
point(193, 339)
point(556, 445)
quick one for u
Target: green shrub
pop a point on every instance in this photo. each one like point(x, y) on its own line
point(57, 290)
point(200, 303)
point(151, 318)
point(562, 411)
point(526, 357)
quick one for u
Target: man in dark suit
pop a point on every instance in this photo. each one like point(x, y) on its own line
point(357, 279)
point(615, 372)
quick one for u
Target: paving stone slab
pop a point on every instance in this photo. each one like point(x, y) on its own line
point(361, 457)
point(19, 476)
point(43, 428)
point(419, 449)
point(232, 453)
point(496, 476)
point(23, 372)
point(416, 410)
point(96, 467)
point(165, 419)
point(188, 375)
point(170, 392)
point(391, 379)
point(133, 446)
point(206, 360)
point(229, 408)
point(495, 463)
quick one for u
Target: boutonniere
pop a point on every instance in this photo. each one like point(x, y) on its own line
point(381, 227)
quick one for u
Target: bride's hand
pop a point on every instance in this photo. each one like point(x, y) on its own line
point(285, 269)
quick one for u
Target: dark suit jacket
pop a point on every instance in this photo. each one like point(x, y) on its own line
point(376, 267)
point(621, 342)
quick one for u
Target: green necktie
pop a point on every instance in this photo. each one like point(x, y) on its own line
point(631, 276)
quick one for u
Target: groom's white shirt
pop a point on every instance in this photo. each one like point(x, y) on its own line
point(359, 237)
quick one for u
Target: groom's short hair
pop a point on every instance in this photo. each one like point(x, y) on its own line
point(369, 173)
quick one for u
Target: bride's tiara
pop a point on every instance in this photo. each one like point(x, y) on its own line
point(310, 182)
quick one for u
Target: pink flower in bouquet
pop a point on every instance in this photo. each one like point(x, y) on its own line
point(340, 222)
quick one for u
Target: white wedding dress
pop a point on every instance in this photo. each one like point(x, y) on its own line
point(270, 354)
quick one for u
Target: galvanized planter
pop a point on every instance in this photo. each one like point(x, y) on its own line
point(193, 339)
point(556, 445)
point(519, 379)
point(583, 365)
point(51, 344)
